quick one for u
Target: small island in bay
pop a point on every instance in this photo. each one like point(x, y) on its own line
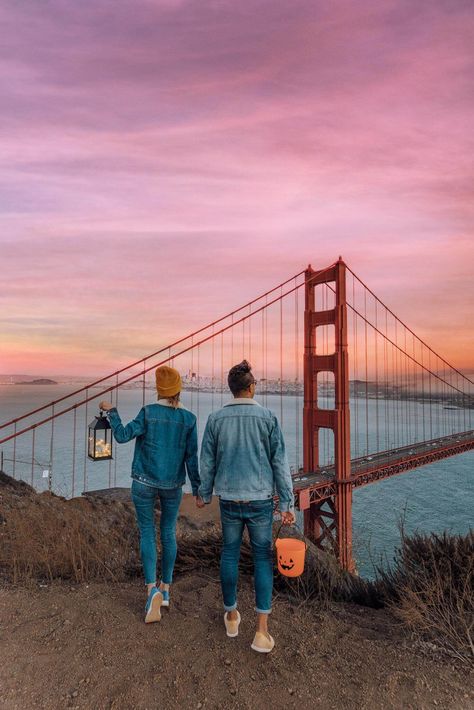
point(42, 381)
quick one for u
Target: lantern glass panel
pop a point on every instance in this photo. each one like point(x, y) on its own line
point(99, 446)
point(91, 447)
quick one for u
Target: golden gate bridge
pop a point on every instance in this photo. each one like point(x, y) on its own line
point(377, 400)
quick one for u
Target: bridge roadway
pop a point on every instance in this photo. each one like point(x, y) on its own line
point(317, 486)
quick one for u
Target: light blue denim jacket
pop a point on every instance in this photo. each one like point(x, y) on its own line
point(166, 445)
point(243, 455)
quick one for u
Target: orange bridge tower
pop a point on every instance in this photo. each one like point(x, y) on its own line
point(328, 518)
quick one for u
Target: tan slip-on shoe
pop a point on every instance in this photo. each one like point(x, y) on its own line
point(262, 643)
point(232, 627)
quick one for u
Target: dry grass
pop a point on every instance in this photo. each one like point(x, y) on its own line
point(322, 581)
point(430, 587)
point(51, 546)
point(44, 537)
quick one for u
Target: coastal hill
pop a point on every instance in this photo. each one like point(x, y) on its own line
point(11, 379)
point(26, 380)
point(72, 600)
point(41, 381)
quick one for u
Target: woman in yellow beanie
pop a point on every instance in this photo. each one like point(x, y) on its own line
point(166, 448)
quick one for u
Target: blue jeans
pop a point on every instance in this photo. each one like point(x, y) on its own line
point(257, 515)
point(144, 498)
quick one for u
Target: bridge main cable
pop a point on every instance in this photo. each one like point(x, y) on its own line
point(397, 347)
point(407, 327)
point(148, 357)
point(142, 372)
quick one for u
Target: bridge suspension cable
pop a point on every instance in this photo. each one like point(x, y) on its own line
point(401, 392)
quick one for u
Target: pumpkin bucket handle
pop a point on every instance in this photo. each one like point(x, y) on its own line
point(295, 526)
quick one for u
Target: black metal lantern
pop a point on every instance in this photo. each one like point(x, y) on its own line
point(100, 439)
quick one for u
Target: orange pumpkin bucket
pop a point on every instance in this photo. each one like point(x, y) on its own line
point(290, 555)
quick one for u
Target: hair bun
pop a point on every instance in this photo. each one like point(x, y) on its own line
point(240, 378)
point(243, 366)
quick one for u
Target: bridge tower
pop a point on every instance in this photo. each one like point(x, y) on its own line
point(328, 521)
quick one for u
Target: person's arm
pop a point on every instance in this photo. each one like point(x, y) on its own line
point(281, 469)
point(123, 433)
point(207, 463)
point(191, 459)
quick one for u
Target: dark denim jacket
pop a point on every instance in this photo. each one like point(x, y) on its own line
point(166, 445)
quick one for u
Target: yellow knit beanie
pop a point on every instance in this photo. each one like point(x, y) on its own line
point(168, 381)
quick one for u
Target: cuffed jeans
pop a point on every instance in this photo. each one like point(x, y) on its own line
point(144, 498)
point(257, 515)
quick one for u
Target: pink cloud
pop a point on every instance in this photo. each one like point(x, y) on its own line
point(163, 162)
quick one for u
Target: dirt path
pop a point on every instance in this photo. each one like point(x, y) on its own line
point(87, 647)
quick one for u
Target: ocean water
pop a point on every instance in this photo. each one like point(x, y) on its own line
point(431, 499)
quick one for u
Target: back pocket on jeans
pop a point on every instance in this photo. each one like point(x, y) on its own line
point(140, 490)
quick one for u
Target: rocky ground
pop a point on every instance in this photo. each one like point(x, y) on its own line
point(69, 646)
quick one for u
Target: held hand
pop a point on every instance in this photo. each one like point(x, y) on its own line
point(105, 406)
point(288, 518)
point(199, 502)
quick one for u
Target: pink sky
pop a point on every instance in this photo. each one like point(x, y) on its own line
point(163, 162)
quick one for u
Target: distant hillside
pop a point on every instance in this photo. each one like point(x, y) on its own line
point(11, 379)
point(57, 379)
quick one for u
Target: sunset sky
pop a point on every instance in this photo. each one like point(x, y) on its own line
point(164, 161)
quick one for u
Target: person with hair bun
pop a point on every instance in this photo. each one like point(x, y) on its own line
point(166, 448)
point(243, 459)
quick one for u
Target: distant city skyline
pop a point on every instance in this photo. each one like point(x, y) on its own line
point(206, 380)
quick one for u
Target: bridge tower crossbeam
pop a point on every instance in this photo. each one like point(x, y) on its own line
point(328, 523)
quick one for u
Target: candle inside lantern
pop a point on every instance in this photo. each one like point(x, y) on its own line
point(102, 448)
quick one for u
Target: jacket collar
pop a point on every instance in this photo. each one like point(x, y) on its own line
point(165, 403)
point(241, 400)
